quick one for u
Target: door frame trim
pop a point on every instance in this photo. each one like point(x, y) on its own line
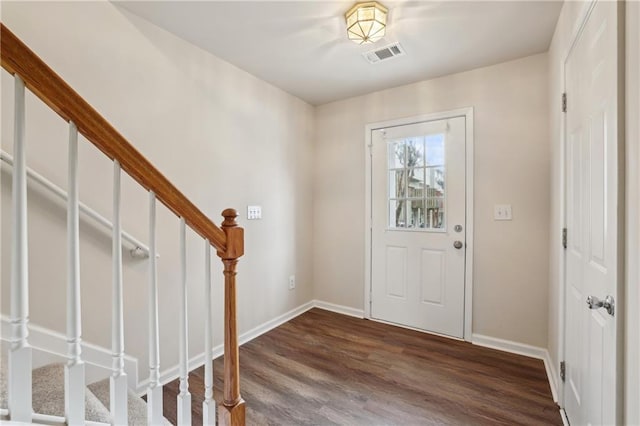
point(576, 31)
point(579, 25)
point(467, 113)
point(632, 117)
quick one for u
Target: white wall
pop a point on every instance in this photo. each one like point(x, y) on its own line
point(511, 163)
point(228, 139)
point(224, 137)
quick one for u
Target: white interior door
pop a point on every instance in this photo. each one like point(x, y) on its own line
point(418, 225)
point(593, 207)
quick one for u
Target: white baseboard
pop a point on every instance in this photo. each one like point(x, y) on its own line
point(508, 346)
point(51, 346)
point(552, 375)
point(173, 372)
point(525, 350)
point(197, 361)
point(340, 309)
point(270, 325)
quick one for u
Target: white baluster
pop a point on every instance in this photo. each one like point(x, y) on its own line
point(208, 405)
point(20, 353)
point(118, 381)
point(154, 393)
point(184, 397)
point(74, 370)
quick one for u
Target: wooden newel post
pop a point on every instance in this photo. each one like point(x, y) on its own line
point(231, 412)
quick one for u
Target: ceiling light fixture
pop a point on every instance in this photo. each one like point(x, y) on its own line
point(366, 22)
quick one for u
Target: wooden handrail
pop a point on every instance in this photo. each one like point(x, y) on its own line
point(18, 59)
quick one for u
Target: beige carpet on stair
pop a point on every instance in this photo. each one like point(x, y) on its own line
point(137, 407)
point(48, 394)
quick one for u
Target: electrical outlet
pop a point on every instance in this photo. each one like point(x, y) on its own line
point(502, 212)
point(292, 282)
point(254, 212)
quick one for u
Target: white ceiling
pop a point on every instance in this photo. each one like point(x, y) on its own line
point(302, 47)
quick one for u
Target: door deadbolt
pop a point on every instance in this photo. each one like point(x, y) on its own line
point(457, 228)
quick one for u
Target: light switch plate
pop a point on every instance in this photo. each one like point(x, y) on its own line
point(254, 212)
point(502, 212)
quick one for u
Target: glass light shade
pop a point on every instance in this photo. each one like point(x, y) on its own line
point(366, 22)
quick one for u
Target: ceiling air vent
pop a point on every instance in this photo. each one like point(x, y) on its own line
point(384, 54)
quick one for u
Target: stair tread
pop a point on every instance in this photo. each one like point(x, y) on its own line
point(137, 407)
point(48, 394)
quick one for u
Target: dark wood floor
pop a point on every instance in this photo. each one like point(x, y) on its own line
point(323, 368)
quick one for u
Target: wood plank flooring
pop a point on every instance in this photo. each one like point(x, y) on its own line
point(323, 368)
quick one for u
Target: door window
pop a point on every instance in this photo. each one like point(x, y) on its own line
point(416, 192)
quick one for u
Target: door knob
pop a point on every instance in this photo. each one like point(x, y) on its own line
point(458, 244)
point(595, 303)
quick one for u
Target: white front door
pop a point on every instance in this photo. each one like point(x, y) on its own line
point(593, 207)
point(418, 225)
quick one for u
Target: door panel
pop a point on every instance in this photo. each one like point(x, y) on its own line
point(592, 264)
point(418, 196)
point(396, 276)
point(432, 274)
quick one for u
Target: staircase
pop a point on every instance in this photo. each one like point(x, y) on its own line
point(58, 393)
point(48, 397)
